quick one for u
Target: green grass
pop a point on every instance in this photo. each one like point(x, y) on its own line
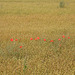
point(37, 18)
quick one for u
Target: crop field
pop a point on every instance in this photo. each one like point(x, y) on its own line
point(37, 37)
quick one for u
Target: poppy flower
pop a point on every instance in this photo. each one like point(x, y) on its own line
point(44, 39)
point(31, 38)
point(68, 37)
point(16, 40)
point(20, 46)
point(51, 41)
point(59, 39)
point(35, 39)
point(38, 38)
point(60, 45)
point(11, 39)
point(63, 36)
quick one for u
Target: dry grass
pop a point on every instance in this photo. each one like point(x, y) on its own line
point(23, 20)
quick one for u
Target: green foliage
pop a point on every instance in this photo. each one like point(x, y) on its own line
point(24, 67)
point(62, 4)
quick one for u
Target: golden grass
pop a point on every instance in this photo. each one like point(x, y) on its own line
point(23, 20)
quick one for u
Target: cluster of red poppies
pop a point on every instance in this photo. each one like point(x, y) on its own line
point(39, 38)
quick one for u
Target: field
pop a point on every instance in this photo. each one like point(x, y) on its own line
point(22, 53)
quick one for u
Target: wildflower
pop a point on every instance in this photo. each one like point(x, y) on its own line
point(20, 46)
point(35, 39)
point(51, 41)
point(44, 39)
point(68, 37)
point(59, 39)
point(31, 38)
point(63, 36)
point(16, 40)
point(60, 45)
point(11, 39)
point(38, 38)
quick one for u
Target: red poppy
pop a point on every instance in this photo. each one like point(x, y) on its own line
point(63, 36)
point(11, 39)
point(16, 39)
point(60, 45)
point(51, 41)
point(38, 38)
point(35, 39)
point(44, 39)
point(20, 46)
point(59, 39)
point(68, 37)
point(31, 38)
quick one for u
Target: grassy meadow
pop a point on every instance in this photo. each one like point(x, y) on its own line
point(25, 19)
